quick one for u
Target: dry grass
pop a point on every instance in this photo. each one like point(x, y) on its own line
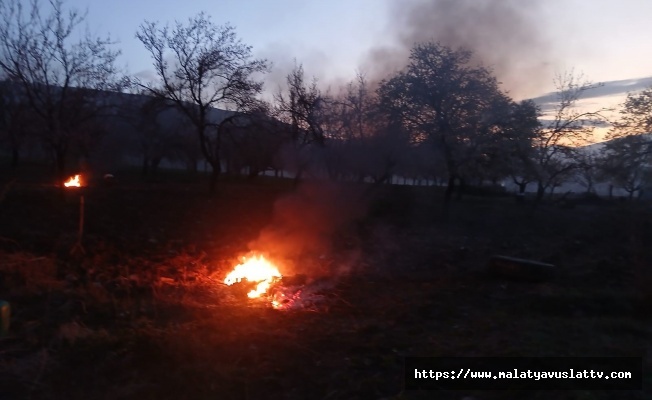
point(144, 314)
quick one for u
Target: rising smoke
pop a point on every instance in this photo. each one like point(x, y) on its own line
point(505, 35)
point(305, 223)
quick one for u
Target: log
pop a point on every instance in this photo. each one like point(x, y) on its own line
point(519, 269)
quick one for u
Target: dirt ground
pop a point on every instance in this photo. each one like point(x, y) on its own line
point(142, 313)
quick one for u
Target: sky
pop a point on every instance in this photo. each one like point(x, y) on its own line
point(605, 40)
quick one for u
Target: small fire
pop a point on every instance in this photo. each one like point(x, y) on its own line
point(74, 181)
point(254, 269)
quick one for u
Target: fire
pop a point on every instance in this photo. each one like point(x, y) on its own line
point(74, 181)
point(254, 269)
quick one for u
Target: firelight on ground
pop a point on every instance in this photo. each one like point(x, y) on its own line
point(254, 269)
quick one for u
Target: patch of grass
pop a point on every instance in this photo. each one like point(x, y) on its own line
point(143, 314)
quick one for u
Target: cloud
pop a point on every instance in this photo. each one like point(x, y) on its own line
point(616, 89)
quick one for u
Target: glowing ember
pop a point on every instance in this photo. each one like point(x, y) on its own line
point(254, 269)
point(74, 181)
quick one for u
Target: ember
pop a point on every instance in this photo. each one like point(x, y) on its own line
point(254, 269)
point(74, 181)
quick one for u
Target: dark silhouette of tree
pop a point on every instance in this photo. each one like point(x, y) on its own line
point(635, 115)
point(201, 66)
point(627, 155)
point(303, 108)
point(556, 143)
point(16, 121)
point(588, 171)
point(518, 151)
point(442, 99)
point(62, 71)
point(626, 162)
point(253, 140)
point(305, 111)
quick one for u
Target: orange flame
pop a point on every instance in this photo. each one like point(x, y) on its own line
point(74, 181)
point(254, 269)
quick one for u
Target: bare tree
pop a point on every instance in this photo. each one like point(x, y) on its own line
point(588, 171)
point(253, 140)
point(626, 162)
point(627, 156)
point(360, 147)
point(516, 148)
point(555, 145)
point(357, 108)
point(202, 66)
point(304, 108)
point(155, 141)
point(61, 70)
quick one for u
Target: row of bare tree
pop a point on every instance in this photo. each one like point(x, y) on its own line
point(440, 119)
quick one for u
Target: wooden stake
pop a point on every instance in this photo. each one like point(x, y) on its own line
point(81, 218)
point(78, 246)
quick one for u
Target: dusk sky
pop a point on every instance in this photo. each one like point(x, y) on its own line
point(607, 40)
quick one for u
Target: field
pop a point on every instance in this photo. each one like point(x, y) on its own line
point(142, 313)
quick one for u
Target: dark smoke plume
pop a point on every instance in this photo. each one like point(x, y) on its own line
point(505, 35)
point(305, 223)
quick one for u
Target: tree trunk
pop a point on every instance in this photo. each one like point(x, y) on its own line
point(253, 173)
point(449, 191)
point(522, 187)
point(60, 156)
point(541, 190)
point(460, 189)
point(216, 170)
point(298, 176)
point(156, 161)
point(191, 165)
point(145, 168)
point(15, 157)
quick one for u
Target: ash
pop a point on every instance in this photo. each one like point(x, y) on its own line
point(303, 297)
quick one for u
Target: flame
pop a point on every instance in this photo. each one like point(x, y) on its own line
point(74, 181)
point(254, 269)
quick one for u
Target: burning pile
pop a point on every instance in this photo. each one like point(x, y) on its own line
point(74, 181)
point(281, 293)
point(254, 269)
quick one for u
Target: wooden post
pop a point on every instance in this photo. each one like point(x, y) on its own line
point(79, 248)
point(81, 218)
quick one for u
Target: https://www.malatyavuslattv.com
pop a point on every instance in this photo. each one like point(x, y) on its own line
point(617, 373)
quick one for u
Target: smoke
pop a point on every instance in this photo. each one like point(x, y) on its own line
point(283, 61)
point(305, 223)
point(504, 35)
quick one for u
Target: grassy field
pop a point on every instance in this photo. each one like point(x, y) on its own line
point(142, 313)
